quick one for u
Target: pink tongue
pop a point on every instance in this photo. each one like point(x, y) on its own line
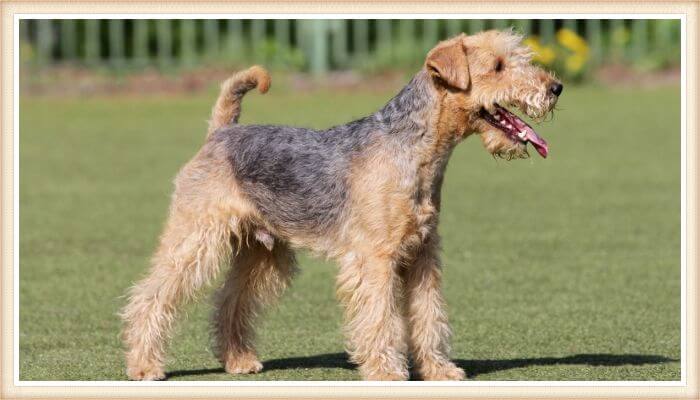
point(531, 136)
point(539, 143)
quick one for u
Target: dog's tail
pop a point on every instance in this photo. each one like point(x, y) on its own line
point(228, 106)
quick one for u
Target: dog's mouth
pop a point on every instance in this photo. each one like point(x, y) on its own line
point(515, 128)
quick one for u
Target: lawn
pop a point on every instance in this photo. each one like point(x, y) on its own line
point(560, 269)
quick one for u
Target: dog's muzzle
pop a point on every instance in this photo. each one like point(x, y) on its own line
point(516, 129)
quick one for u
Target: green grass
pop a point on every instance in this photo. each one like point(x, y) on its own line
point(560, 269)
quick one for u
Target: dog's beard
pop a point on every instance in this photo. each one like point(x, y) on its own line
point(499, 145)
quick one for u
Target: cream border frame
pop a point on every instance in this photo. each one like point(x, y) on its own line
point(688, 385)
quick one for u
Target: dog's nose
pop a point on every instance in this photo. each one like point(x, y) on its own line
point(557, 88)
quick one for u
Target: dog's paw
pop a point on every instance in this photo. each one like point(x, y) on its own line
point(145, 373)
point(243, 364)
point(442, 372)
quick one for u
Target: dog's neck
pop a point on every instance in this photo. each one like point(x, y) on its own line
point(407, 115)
point(415, 116)
point(411, 118)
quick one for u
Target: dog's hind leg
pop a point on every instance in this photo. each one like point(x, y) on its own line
point(258, 277)
point(189, 255)
point(195, 243)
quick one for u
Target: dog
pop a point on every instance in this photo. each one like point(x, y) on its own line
point(365, 194)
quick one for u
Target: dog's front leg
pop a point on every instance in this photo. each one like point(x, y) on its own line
point(370, 289)
point(428, 329)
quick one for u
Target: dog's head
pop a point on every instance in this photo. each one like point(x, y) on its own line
point(480, 77)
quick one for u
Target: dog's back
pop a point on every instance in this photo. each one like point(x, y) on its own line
point(296, 177)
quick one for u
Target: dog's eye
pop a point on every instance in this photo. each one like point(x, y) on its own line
point(499, 65)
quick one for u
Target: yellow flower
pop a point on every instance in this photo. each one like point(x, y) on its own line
point(546, 55)
point(575, 63)
point(572, 41)
point(543, 54)
point(533, 42)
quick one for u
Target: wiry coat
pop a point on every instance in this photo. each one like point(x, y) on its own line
point(366, 194)
point(300, 180)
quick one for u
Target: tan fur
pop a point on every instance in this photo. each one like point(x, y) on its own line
point(228, 105)
point(386, 242)
point(448, 62)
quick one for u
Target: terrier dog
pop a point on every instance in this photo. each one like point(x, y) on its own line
point(366, 194)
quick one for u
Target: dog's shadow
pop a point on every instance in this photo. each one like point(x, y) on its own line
point(473, 368)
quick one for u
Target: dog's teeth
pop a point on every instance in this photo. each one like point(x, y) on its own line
point(522, 134)
point(509, 126)
point(498, 117)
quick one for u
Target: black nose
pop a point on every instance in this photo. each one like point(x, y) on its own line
point(557, 88)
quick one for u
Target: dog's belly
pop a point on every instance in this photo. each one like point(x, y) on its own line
point(296, 178)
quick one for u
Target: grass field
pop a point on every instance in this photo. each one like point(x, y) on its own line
point(560, 269)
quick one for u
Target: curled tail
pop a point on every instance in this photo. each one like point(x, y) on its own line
point(228, 105)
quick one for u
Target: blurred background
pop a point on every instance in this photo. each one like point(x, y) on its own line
point(560, 269)
point(575, 49)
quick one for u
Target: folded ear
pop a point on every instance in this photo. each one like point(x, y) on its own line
point(448, 62)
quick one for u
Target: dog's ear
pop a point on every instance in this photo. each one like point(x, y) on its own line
point(448, 62)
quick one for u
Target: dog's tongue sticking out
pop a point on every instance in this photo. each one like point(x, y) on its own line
point(531, 136)
point(539, 143)
point(515, 126)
